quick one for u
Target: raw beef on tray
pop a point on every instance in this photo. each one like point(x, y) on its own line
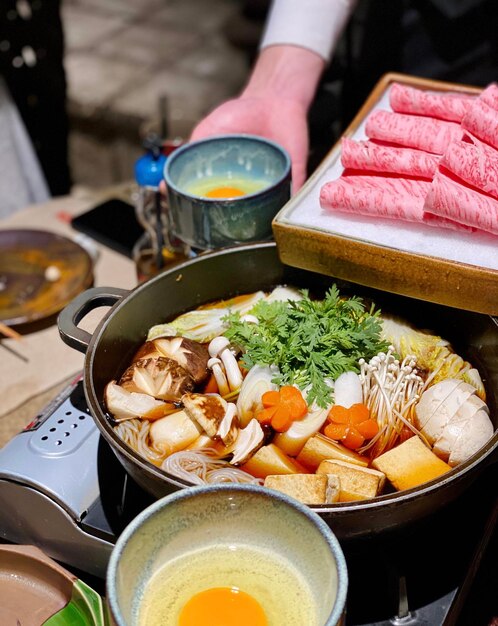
point(382, 196)
point(475, 163)
point(367, 155)
point(453, 200)
point(481, 120)
point(405, 99)
point(465, 187)
point(421, 168)
point(376, 196)
point(412, 131)
point(490, 96)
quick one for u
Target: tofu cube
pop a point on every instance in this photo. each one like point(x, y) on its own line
point(307, 488)
point(356, 482)
point(410, 464)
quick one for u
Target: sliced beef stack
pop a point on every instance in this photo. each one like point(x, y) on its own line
point(433, 159)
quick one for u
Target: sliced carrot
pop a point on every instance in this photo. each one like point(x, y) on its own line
point(347, 435)
point(281, 420)
point(339, 414)
point(335, 431)
point(270, 398)
point(351, 426)
point(293, 400)
point(353, 439)
point(265, 415)
point(358, 413)
point(369, 428)
point(282, 407)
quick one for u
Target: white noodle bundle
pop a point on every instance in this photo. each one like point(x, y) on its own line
point(135, 433)
point(202, 468)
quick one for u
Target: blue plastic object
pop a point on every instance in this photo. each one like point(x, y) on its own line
point(149, 167)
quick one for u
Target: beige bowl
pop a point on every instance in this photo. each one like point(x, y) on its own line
point(244, 536)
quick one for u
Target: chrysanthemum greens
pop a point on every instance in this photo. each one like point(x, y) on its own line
point(309, 340)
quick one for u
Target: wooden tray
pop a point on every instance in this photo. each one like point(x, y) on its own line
point(438, 265)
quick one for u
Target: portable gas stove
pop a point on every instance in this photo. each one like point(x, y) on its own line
point(63, 490)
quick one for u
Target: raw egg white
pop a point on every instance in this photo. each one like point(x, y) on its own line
point(224, 585)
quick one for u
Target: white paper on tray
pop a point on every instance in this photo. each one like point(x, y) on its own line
point(479, 249)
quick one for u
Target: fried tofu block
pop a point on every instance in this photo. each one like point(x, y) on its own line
point(271, 460)
point(320, 448)
point(356, 482)
point(410, 464)
point(307, 488)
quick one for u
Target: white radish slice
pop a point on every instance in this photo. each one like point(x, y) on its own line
point(347, 390)
point(476, 433)
point(445, 411)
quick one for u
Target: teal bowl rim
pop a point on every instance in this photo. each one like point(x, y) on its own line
point(342, 572)
point(179, 151)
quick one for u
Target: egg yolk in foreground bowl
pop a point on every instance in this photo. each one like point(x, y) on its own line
point(225, 192)
point(222, 606)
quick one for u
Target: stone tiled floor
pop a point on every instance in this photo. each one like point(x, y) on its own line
point(123, 55)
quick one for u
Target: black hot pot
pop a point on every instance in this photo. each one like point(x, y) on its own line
point(244, 269)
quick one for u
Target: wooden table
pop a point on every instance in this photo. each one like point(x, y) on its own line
point(26, 387)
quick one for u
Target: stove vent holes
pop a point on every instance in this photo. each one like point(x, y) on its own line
point(64, 431)
point(64, 428)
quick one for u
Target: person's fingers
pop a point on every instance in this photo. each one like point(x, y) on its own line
point(298, 175)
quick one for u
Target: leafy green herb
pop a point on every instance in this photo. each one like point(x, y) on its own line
point(309, 340)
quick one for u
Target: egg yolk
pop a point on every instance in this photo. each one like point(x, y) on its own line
point(222, 606)
point(225, 192)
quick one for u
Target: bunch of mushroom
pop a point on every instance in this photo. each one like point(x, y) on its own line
point(160, 386)
point(390, 389)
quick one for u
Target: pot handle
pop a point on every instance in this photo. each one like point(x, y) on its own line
point(81, 305)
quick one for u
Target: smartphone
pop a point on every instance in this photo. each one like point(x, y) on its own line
point(112, 223)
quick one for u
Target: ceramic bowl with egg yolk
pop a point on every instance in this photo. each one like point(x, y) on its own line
point(226, 190)
point(227, 553)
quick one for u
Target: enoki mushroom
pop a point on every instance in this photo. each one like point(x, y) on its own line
point(390, 390)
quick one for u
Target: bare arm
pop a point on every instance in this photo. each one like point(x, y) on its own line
point(299, 39)
point(274, 103)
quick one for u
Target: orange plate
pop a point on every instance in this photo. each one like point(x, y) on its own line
point(403, 258)
point(40, 272)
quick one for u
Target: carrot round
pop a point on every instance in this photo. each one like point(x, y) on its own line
point(351, 426)
point(282, 407)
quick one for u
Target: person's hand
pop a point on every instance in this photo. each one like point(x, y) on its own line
point(274, 104)
point(280, 120)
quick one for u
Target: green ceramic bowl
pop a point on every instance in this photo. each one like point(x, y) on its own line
point(228, 535)
point(259, 168)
